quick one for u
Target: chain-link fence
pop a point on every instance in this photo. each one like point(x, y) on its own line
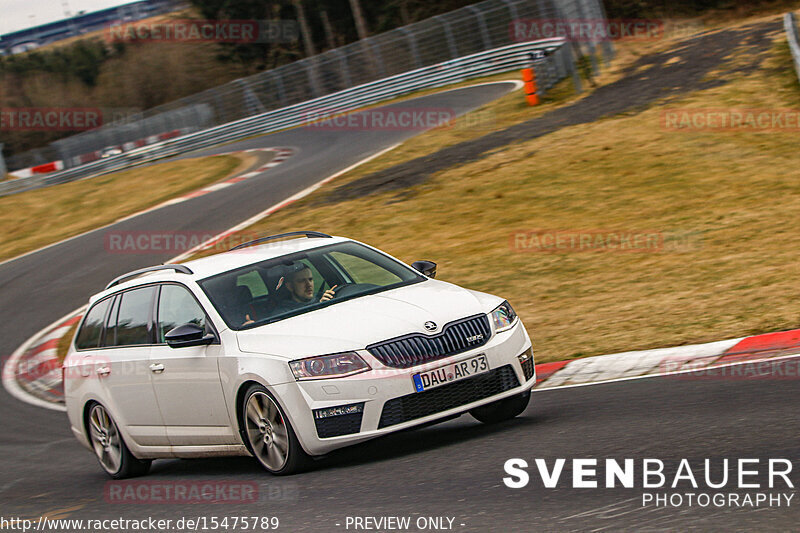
point(482, 26)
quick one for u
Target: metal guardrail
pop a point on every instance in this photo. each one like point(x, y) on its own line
point(790, 25)
point(556, 65)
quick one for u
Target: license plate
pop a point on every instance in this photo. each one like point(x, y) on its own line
point(453, 372)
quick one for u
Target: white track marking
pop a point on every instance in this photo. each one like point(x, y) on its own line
point(9, 378)
point(265, 213)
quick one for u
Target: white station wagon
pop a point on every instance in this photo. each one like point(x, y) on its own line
point(284, 350)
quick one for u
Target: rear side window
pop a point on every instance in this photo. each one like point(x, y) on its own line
point(132, 324)
point(253, 281)
point(92, 329)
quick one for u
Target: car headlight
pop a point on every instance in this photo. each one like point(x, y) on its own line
point(503, 316)
point(326, 366)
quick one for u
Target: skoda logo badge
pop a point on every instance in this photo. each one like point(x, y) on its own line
point(430, 326)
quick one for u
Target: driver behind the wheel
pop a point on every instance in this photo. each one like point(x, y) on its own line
point(300, 287)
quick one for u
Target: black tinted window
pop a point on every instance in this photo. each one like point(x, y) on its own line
point(176, 307)
point(92, 328)
point(133, 318)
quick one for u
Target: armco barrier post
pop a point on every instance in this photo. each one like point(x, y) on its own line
point(529, 77)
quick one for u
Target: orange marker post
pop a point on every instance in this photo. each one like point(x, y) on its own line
point(529, 77)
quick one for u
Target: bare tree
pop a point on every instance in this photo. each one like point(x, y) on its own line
point(326, 24)
point(405, 17)
point(358, 15)
point(304, 29)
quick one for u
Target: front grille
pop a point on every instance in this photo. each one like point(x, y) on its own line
point(421, 404)
point(415, 349)
point(333, 426)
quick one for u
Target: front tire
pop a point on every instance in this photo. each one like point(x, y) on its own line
point(501, 410)
point(269, 434)
point(109, 447)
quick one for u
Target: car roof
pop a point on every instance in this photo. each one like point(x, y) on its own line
point(223, 262)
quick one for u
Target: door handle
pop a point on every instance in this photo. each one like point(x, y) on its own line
point(157, 368)
point(103, 371)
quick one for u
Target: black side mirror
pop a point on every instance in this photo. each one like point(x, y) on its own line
point(427, 268)
point(188, 335)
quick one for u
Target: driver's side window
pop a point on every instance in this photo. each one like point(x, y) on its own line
point(176, 307)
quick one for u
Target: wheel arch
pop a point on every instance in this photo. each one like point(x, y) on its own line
point(239, 403)
point(241, 393)
point(87, 407)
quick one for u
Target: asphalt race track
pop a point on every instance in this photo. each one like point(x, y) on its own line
point(452, 470)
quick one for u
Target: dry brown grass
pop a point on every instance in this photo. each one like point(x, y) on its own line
point(40, 217)
point(726, 201)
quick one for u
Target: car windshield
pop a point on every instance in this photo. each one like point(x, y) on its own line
point(298, 283)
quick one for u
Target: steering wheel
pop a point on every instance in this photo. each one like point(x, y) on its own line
point(322, 290)
point(346, 289)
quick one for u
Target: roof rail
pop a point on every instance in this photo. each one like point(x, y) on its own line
point(177, 268)
point(309, 234)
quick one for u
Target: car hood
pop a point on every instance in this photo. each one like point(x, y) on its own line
point(357, 323)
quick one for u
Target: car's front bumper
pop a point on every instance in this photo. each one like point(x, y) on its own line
point(388, 401)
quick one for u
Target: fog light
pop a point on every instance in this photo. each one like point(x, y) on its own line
point(352, 409)
point(526, 362)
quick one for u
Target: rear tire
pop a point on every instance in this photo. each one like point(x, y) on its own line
point(269, 435)
point(109, 447)
point(501, 410)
